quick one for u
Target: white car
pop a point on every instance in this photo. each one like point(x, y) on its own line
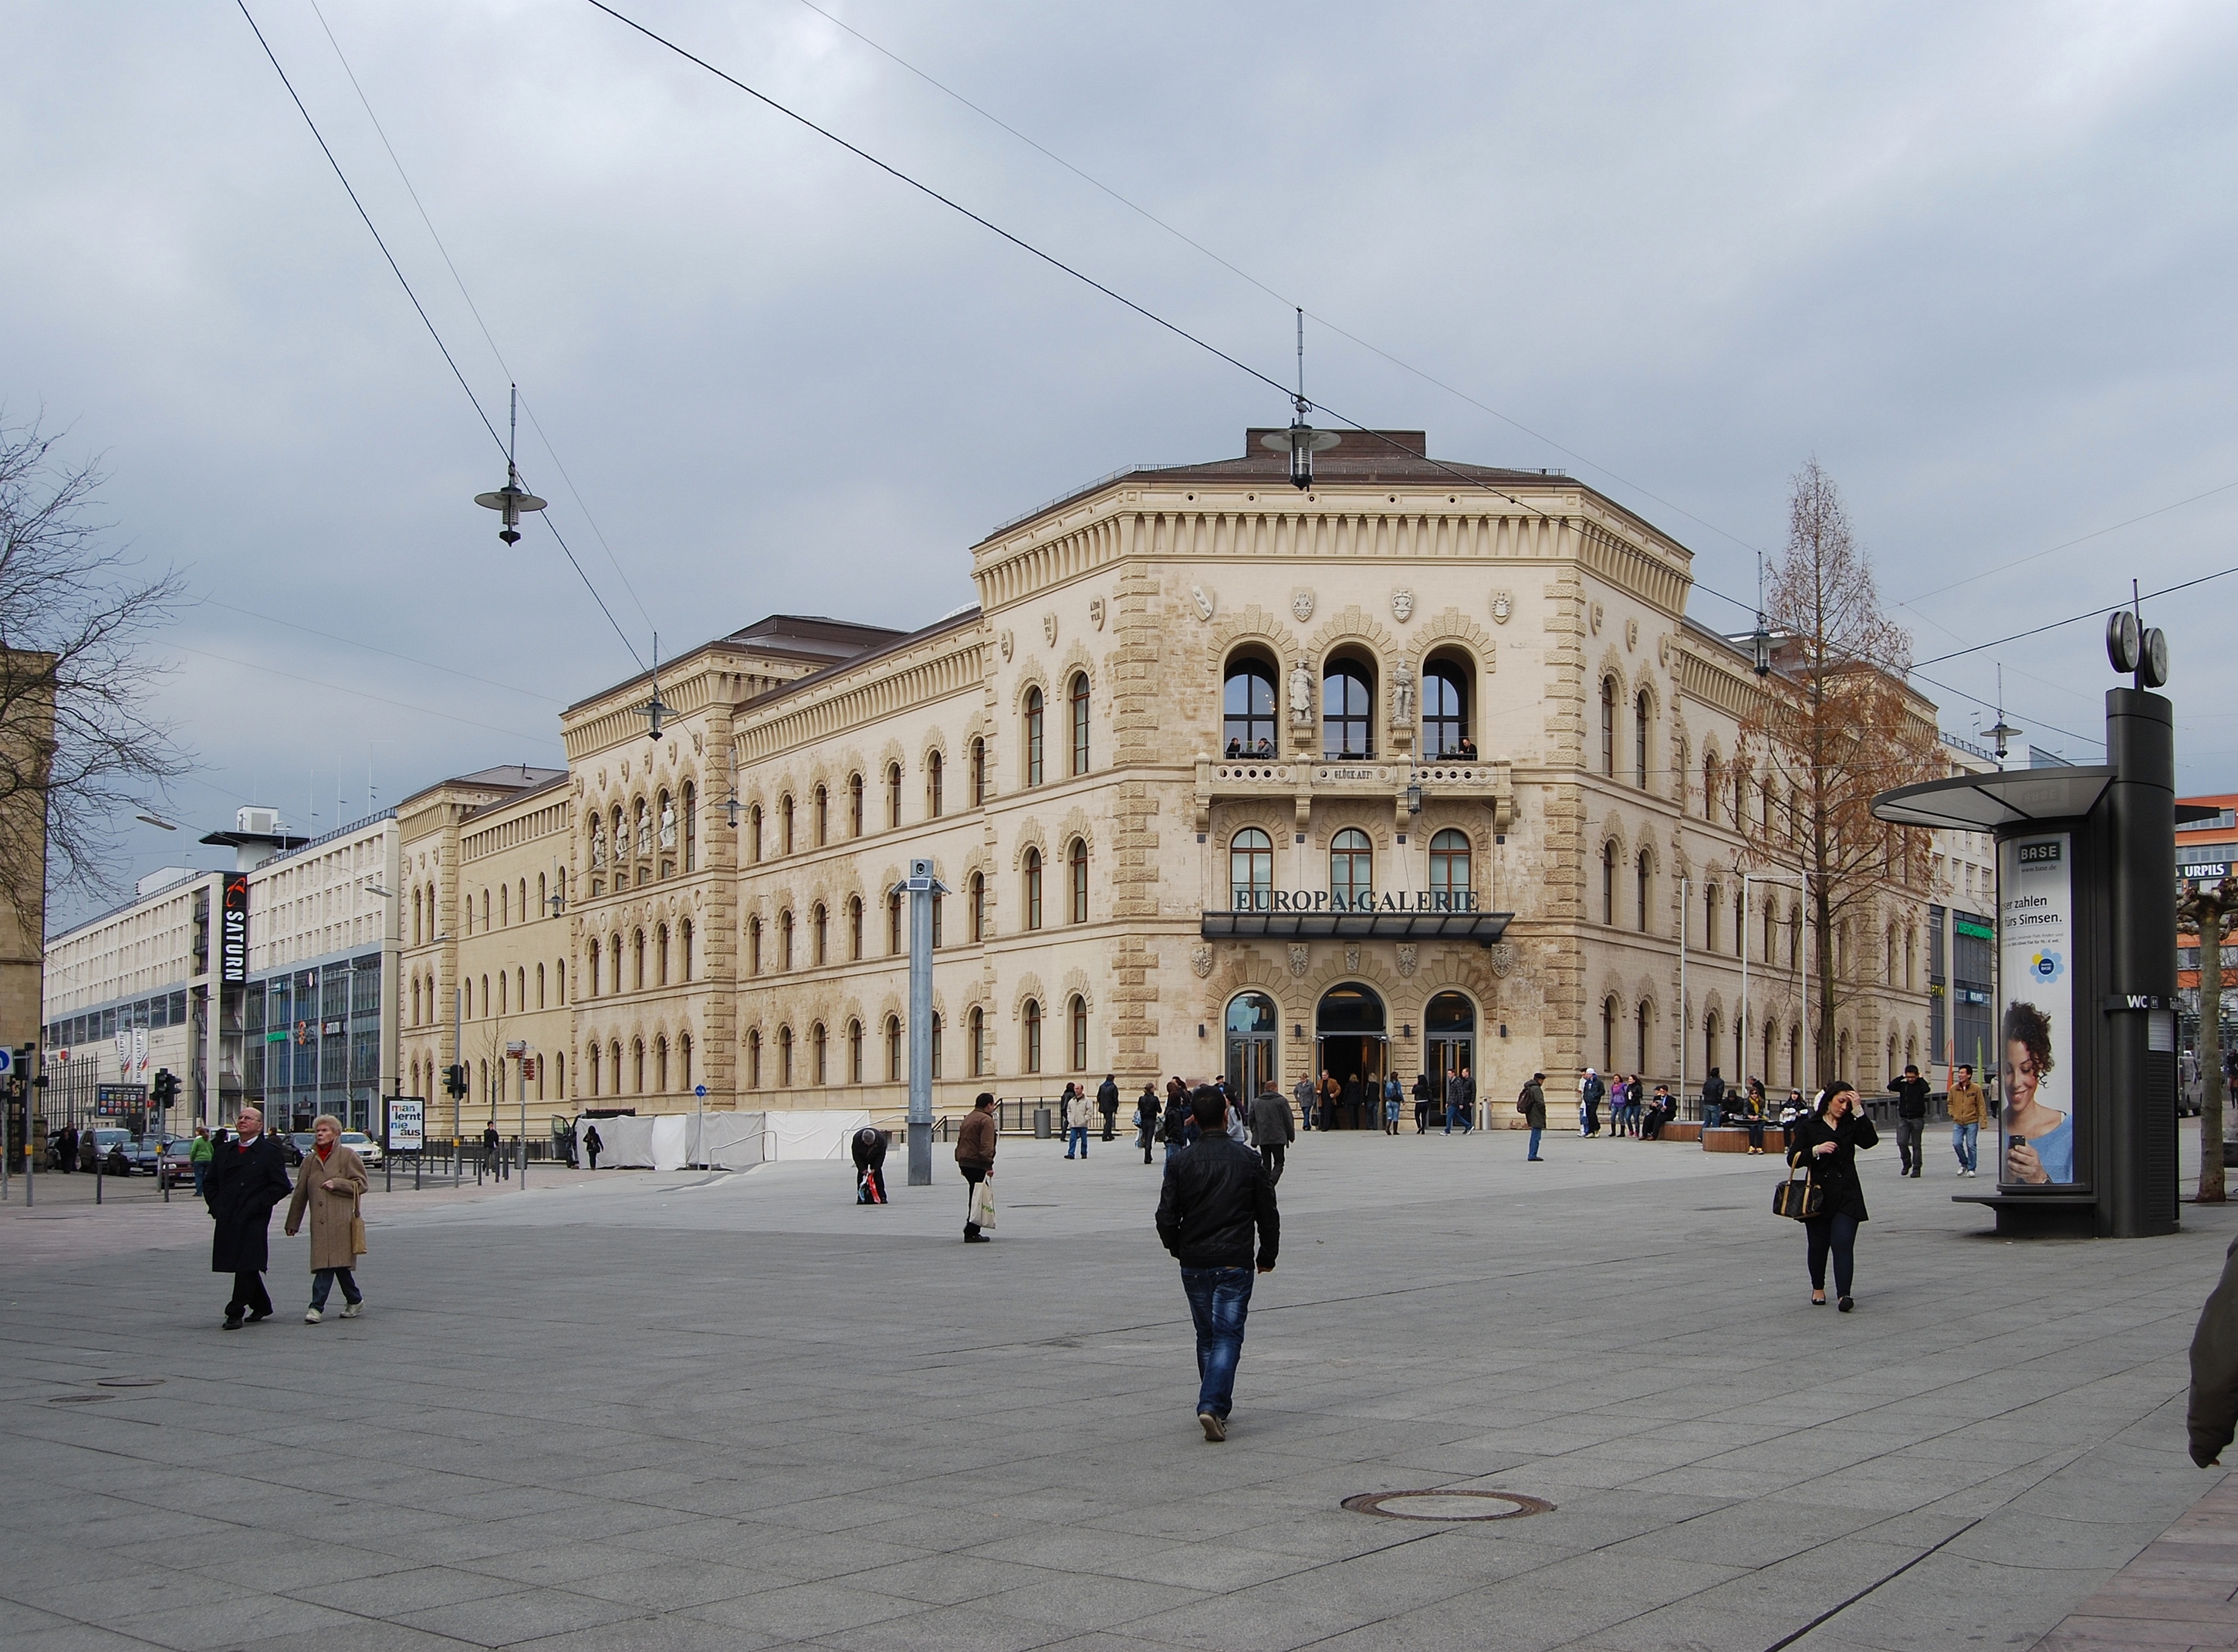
point(367, 1149)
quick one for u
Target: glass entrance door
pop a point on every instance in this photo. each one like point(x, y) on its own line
point(1449, 1037)
point(1251, 1024)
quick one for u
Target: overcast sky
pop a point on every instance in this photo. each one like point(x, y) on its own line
point(1977, 260)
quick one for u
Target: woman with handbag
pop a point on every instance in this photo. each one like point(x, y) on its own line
point(1827, 1143)
point(330, 1184)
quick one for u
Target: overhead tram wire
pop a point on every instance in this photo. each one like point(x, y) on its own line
point(475, 309)
point(420, 309)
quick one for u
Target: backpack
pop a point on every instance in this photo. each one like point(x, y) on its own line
point(1595, 1089)
point(1523, 1100)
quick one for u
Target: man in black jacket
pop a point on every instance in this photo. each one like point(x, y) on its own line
point(1910, 1120)
point(247, 1178)
point(1107, 1103)
point(1214, 1195)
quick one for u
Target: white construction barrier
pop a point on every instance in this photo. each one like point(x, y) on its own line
point(625, 1143)
point(725, 1140)
point(669, 1131)
point(810, 1134)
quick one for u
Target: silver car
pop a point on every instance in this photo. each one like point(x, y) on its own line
point(367, 1149)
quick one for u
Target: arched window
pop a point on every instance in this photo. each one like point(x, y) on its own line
point(1033, 1030)
point(593, 957)
point(975, 1024)
point(415, 1001)
point(1078, 857)
point(486, 911)
point(1646, 865)
point(1348, 709)
point(594, 1069)
point(1711, 1026)
point(1452, 888)
point(1249, 724)
point(1251, 871)
point(1795, 937)
point(637, 946)
point(684, 1061)
point(660, 1065)
point(1911, 960)
point(1079, 1033)
point(784, 824)
point(540, 986)
point(1712, 898)
point(893, 925)
point(754, 833)
point(1076, 697)
point(978, 906)
point(685, 934)
point(784, 940)
point(1445, 711)
point(893, 796)
point(486, 998)
point(855, 927)
point(854, 1052)
point(784, 1058)
point(1608, 1035)
point(1033, 889)
point(1642, 727)
point(1740, 921)
point(820, 1055)
point(1352, 871)
point(893, 1049)
point(690, 827)
point(854, 805)
point(1740, 797)
point(823, 816)
point(820, 934)
point(1646, 1016)
point(1608, 727)
point(936, 918)
point(1034, 733)
point(1608, 883)
point(933, 764)
point(978, 772)
point(1711, 780)
point(753, 946)
point(543, 900)
point(1770, 939)
point(501, 993)
point(660, 952)
point(1889, 974)
point(504, 907)
point(754, 1059)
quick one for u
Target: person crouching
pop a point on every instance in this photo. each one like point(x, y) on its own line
point(1215, 1196)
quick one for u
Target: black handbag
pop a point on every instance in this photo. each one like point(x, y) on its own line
point(1800, 1200)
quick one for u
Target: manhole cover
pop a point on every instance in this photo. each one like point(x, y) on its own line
point(128, 1382)
point(78, 1399)
point(1447, 1505)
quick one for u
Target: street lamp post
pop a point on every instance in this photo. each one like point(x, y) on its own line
point(920, 886)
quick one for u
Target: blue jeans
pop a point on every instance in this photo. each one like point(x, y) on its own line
point(1962, 1138)
point(322, 1280)
point(1219, 1299)
point(1535, 1133)
point(1449, 1117)
point(1077, 1137)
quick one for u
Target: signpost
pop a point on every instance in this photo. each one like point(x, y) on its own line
point(920, 886)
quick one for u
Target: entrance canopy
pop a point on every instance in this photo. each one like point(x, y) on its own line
point(1983, 803)
point(1484, 928)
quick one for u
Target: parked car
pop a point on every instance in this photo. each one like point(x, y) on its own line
point(368, 1150)
point(103, 1142)
point(144, 1153)
point(178, 1170)
point(295, 1144)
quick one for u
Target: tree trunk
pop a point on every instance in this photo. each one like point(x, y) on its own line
point(1821, 924)
point(2210, 1054)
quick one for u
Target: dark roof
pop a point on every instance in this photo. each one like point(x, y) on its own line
point(901, 640)
point(813, 637)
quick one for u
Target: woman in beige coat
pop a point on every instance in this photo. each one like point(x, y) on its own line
point(330, 1182)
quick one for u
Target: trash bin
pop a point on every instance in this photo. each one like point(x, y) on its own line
point(1042, 1129)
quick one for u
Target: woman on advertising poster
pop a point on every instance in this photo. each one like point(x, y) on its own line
point(2039, 1139)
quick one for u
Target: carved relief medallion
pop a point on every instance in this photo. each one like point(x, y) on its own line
point(1352, 960)
point(1407, 960)
point(1402, 605)
point(1201, 598)
point(1005, 643)
point(1631, 634)
point(1301, 603)
point(1095, 613)
point(1048, 629)
point(1503, 960)
point(1301, 959)
point(1201, 961)
point(1502, 606)
point(1593, 618)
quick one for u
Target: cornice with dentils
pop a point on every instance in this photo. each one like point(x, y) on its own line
point(943, 665)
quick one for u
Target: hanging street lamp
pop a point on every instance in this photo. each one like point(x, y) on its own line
point(511, 500)
point(1301, 441)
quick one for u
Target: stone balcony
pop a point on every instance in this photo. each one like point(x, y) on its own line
point(1301, 780)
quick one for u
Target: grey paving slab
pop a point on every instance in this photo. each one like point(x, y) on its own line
point(740, 1411)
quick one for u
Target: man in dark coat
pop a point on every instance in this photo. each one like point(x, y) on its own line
point(1217, 1197)
point(1910, 1120)
point(248, 1177)
point(2214, 1368)
point(1107, 1103)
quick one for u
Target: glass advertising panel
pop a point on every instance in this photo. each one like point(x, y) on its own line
point(2037, 980)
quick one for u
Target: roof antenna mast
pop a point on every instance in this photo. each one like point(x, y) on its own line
point(1301, 441)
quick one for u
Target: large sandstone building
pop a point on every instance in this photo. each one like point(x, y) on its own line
point(1424, 766)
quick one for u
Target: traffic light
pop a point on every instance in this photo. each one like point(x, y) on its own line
point(167, 1089)
point(454, 1082)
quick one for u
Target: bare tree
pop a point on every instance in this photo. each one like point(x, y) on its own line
point(1835, 725)
point(2209, 910)
point(81, 744)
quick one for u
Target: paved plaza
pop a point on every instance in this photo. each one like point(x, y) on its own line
point(692, 1411)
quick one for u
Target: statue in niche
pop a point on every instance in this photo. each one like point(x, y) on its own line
point(1301, 694)
point(1402, 696)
